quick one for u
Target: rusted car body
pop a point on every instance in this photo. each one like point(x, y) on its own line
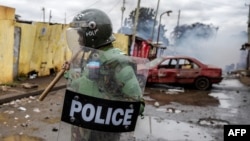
point(183, 70)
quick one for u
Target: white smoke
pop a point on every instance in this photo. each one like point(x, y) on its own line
point(221, 50)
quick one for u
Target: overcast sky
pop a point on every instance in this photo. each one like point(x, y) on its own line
point(226, 14)
point(230, 16)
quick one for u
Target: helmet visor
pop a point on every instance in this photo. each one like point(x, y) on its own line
point(75, 38)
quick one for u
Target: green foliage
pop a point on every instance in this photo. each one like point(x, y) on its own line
point(145, 25)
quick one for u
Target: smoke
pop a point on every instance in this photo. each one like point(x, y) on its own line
point(144, 26)
point(223, 49)
point(208, 43)
point(141, 30)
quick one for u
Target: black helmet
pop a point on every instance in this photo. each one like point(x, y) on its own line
point(93, 28)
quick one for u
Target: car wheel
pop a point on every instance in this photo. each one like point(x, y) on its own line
point(202, 83)
point(141, 80)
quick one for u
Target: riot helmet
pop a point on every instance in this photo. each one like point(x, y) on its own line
point(91, 28)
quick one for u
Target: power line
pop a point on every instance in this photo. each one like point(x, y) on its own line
point(114, 6)
point(76, 12)
point(73, 14)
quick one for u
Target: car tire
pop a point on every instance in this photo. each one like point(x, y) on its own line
point(202, 83)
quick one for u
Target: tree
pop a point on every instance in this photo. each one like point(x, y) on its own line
point(197, 31)
point(144, 25)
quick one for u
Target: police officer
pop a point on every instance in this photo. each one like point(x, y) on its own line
point(92, 28)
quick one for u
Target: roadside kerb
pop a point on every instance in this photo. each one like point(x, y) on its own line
point(14, 96)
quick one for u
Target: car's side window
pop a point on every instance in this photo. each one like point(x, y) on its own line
point(186, 64)
point(165, 64)
point(181, 63)
point(195, 66)
point(173, 63)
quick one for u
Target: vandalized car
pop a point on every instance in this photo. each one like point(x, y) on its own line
point(183, 70)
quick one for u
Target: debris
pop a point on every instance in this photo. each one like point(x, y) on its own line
point(54, 129)
point(171, 92)
point(213, 122)
point(32, 97)
point(178, 111)
point(29, 85)
point(22, 109)
point(33, 74)
point(5, 88)
point(170, 110)
point(9, 112)
point(27, 116)
point(157, 104)
point(36, 110)
point(12, 103)
point(24, 125)
point(176, 90)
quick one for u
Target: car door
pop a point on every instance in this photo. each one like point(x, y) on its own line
point(188, 71)
point(167, 71)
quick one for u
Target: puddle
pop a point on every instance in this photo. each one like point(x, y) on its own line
point(21, 138)
point(153, 128)
point(232, 83)
point(223, 99)
point(189, 97)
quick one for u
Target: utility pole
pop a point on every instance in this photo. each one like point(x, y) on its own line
point(246, 46)
point(152, 37)
point(178, 20)
point(248, 33)
point(43, 9)
point(122, 9)
point(135, 26)
point(158, 35)
point(50, 16)
point(248, 23)
point(65, 18)
point(177, 25)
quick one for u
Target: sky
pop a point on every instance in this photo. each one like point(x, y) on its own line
point(230, 16)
